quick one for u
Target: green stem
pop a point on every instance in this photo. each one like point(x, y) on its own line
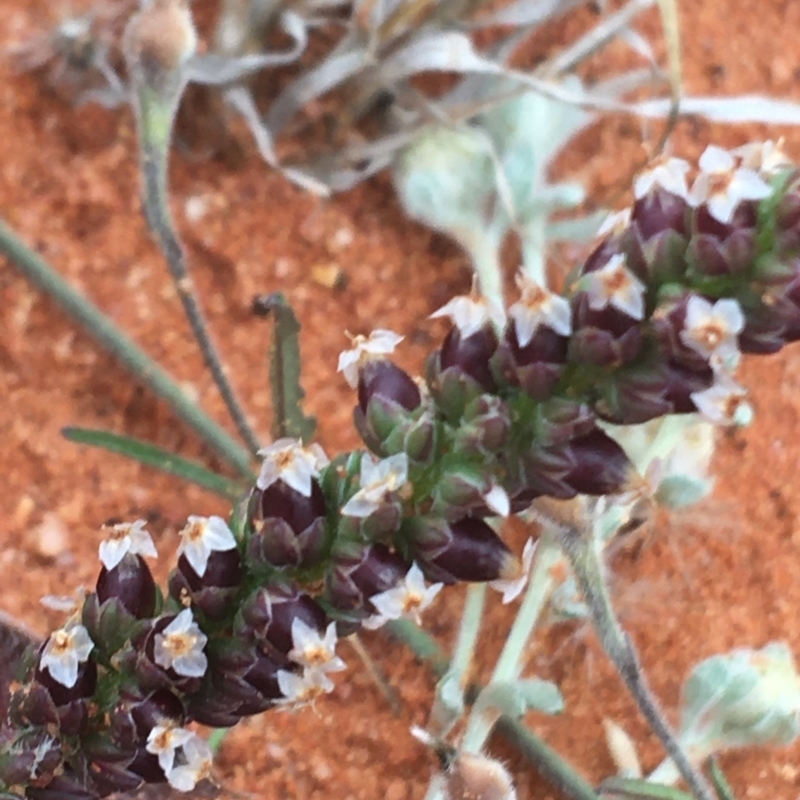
point(121, 347)
point(586, 562)
point(155, 112)
point(509, 665)
point(469, 628)
point(546, 760)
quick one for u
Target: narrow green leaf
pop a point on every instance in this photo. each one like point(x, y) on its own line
point(636, 789)
point(284, 373)
point(152, 456)
point(720, 781)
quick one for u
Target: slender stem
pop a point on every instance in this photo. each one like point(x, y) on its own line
point(99, 326)
point(510, 664)
point(546, 760)
point(154, 157)
point(586, 561)
point(469, 628)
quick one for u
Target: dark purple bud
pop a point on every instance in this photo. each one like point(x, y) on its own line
point(719, 250)
point(651, 390)
point(603, 337)
point(289, 528)
point(131, 583)
point(465, 489)
point(268, 613)
point(466, 550)
point(215, 590)
point(34, 758)
point(361, 572)
point(147, 767)
point(658, 212)
point(471, 355)
point(537, 367)
point(484, 427)
point(156, 708)
point(379, 378)
point(62, 695)
point(601, 465)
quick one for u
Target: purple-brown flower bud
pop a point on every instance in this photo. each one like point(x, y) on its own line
point(460, 370)
point(655, 240)
point(360, 572)
point(717, 249)
point(268, 613)
point(213, 592)
point(289, 527)
point(538, 366)
point(71, 702)
point(643, 392)
point(484, 427)
point(131, 584)
point(36, 756)
point(466, 550)
point(601, 465)
point(391, 417)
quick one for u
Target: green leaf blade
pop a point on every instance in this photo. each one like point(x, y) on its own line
point(153, 456)
point(284, 372)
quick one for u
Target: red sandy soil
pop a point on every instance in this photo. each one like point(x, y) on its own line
point(720, 577)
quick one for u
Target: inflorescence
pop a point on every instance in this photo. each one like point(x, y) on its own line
point(652, 323)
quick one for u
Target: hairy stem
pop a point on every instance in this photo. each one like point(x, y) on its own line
point(586, 561)
point(153, 118)
point(559, 772)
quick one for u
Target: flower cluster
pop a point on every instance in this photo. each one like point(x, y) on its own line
point(652, 323)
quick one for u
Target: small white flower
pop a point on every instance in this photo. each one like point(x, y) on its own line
point(722, 186)
point(711, 330)
point(616, 222)
point(724, 402)
point(497, 500)
point(377, 480)
point(312, 651)
point(408, 599)
point(511, 588)
point(299, 690)
point(615, 285)
point(184, 757)
point(379, 343)
point(202, 537)
point(127, 537)
point(765, 158)
point(470, 313)
point(289, 461)
point(180, 646)
point(66, 649)
point(666, 173)
point(539, 306)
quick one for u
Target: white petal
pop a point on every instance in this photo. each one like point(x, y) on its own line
point(497, 500)
point(360, 505)
point(191, 665)
point(141, 541)
point(181, 624)
point(715, 159)
point(749, 186)
point(112, 551)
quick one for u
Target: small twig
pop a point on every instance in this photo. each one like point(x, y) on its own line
point(121, 347)
point(159, 40)
point(586, 562)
